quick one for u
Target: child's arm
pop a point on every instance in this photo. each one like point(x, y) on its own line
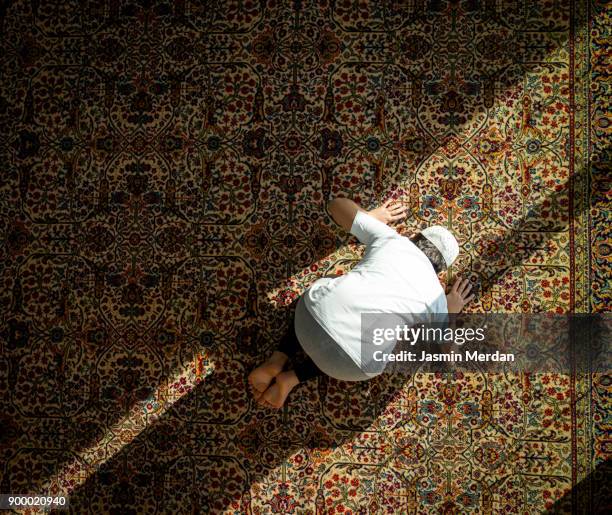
point(343, 212)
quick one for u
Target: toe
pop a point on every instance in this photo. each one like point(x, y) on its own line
point(272, 401)
point(264, 401)
point(260, 387)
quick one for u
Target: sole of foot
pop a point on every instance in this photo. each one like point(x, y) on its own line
point(262, 376)
point(276, 395)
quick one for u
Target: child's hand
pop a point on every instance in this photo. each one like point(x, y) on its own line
point(459, 296)
point(389, 212)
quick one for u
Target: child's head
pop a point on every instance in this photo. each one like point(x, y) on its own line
point(439, 245)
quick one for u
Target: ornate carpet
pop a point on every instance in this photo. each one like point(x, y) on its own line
point(165, 168)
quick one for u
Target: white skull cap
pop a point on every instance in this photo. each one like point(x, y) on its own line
point(444, 241)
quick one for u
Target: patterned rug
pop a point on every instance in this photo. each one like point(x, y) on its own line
point(165, 169)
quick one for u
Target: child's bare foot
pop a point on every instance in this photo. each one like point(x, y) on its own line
point(276, 395)
point(261, 377)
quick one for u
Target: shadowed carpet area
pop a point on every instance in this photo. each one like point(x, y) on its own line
point(165, 169)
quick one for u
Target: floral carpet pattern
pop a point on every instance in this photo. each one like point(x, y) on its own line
point(165, 169)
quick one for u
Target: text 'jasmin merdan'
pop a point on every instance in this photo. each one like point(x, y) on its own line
point(414, 334)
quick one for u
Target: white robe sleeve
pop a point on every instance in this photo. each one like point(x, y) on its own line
point(367, 229)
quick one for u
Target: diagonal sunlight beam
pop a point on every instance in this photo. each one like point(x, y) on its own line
point(124, 430)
